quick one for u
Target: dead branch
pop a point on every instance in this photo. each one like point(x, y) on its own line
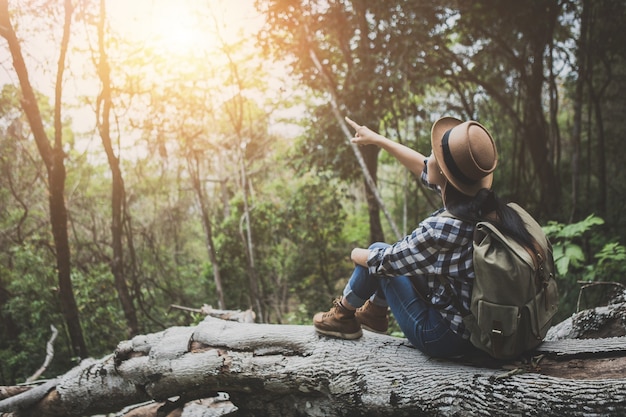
point(49, 355)
point(247, 316)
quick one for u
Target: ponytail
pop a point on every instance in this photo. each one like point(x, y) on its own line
point(487, 206)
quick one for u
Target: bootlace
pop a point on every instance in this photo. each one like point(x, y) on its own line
point(334, 309)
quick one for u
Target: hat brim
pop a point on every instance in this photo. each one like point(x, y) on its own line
point(440, 127)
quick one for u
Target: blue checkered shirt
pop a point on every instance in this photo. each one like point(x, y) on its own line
point(439, 246)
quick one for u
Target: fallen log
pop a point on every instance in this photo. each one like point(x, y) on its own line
point(286, 370)
point(290, 370)
point(25, 399)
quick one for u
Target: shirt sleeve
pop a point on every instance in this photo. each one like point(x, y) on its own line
point(424, 179)
point(431, 249)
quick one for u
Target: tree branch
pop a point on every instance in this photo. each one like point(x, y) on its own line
point(344, 127)
point(49, 355)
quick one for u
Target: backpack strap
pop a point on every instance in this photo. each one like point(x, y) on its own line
point(536, 253)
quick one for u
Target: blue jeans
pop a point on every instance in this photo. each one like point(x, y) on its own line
point(421, 323)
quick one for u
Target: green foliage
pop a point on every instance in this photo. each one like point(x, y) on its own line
point(232, 258)
point(611, 254)
point(355, 229)
point(32, 308)
point(99, 308)
point(568, 252)
point(610, 264)
point(314, 223)
point(300, 254)
point(300, 314)
point(582, 254)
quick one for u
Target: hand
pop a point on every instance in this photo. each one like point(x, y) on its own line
point(359, 256)
point(363, 135)
point(408, 157)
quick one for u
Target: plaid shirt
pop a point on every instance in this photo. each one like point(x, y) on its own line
point(439, 246)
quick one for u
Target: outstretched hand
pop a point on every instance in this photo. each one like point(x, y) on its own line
point(408, 157)
point(363, 135)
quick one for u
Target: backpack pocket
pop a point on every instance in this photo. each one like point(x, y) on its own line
point(494, 328)
point(542, 309)
point(497, 319)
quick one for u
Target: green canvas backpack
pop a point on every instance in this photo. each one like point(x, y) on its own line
point(515, 295)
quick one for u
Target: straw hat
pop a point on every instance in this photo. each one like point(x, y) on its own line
point(465, 152)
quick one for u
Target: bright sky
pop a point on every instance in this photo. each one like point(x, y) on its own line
point(172, 28)
point(180, 26)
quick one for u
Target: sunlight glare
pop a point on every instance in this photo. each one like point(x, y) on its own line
point(186, 35)
point(182, 27)
point(167, 27)
point(174, 28)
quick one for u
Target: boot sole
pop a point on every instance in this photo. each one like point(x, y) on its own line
point(373, 330)
point(340, 335)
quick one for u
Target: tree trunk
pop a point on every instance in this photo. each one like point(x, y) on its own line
point(194, 171)
point(58, 218)
point(601, 161)
point(117, 181)
point(235, 111)
point(534, 124)
point(53, 158)
point(256, 299)
point(582, 56)
point(288, 370)
point(370, 156)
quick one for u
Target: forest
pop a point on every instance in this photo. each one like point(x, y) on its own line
point(158, 156)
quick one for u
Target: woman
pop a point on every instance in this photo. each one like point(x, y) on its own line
point(426, 278)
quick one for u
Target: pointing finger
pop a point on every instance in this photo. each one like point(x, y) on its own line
point(352, 123)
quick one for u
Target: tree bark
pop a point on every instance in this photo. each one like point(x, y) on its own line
point(534, 125)
point(53, 158)
point(288, 370)
point(370, 156)
point(582, 56)
point(118, 193)
point(193, 164)
point(256, 297)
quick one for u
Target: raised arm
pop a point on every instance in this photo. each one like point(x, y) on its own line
point(408, 157)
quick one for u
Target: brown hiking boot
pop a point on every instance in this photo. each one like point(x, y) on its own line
point(338, 322)
point(373, 318)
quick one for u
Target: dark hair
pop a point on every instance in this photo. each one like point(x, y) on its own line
point(487, 206)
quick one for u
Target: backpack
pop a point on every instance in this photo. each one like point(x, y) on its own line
point(515, 295)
